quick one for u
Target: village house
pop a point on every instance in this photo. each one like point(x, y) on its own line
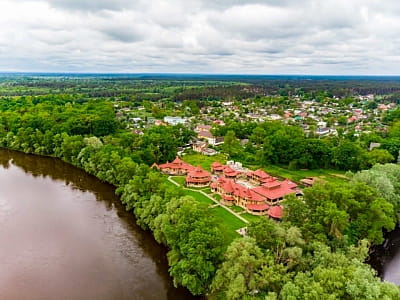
point(199, 146)
point(203, 132)
point(257, 199)
point(174, 120)
point(274, 191)
point(176, 167)
point(233, 193)
point(225, 171)
point(198, 178)
point(258, 177)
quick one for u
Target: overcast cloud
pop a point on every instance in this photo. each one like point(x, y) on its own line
point(198, 36)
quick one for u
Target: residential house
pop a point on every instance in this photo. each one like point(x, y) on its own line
point(198, 178)
point(176, 167)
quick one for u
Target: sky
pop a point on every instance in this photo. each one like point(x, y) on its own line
point(332, 37)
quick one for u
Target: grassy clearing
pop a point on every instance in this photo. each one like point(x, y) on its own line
point(203, 160)
point(196, 195)
point(207, 191)
point(236, 208)
point(179, 180)
point(230, 220)
point(334, 176)
point(217, 197)
point(199, 197)
point(251, 218)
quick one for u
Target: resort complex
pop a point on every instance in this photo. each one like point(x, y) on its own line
point(256, 192)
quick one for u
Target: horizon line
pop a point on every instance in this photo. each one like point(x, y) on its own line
point(192, 74)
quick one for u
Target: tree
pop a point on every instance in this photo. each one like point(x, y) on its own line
point(247, 272)
point(196, 242)
point(231, 144)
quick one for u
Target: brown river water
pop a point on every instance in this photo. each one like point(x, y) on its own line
point(65, 235)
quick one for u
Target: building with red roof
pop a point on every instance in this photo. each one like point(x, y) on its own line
point(176, 167)
point(225, 188)
point(258, 209)
point(217, 167)
point(230, 173)
point(258, 176)
point(276, 212)
point(198, 178)
point(274, 190)
point(224, 170)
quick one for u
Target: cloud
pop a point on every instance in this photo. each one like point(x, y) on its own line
point(221, 36)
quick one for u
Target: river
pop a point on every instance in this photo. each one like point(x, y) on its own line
point(65, 235)
point(385, 258)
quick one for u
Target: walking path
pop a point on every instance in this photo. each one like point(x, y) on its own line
point(208, 196)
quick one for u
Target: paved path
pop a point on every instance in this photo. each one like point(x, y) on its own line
point(208, 196)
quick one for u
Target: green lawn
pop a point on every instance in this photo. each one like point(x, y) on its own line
point(179, 179)
point(207, 191)
point(251, 218)
point(203, 160)
point(334, 176)
point(236, 208)
point(230, 220)
point(217, 197)
point(199, 197)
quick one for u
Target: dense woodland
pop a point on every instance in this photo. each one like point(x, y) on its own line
point(319, 249)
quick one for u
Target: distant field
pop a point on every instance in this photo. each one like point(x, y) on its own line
point(203, 160)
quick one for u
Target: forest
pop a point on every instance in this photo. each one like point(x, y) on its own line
point(319, 249)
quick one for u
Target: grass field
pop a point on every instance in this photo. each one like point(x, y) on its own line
point(223, 216)
point(236, 208)
point(207, 191)
point(199, 197)
point(230, 220)
point(179, 179)
point(203, 160)
point(217, 197)
point(250, 217)
point(333, 176)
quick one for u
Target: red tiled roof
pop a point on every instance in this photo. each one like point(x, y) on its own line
point(275, 212)
point(290, 183)
point(256, 197)
point(248, 194)
point(228, 197)
point(227, 186)
point(271, 184)
point(261, 174)
point(198, 173)
point(257, 207)
point(177, 163)
point(228, 171)
point(214, 185)
point(191, 179)
point(216, 164)
point(275, 193)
